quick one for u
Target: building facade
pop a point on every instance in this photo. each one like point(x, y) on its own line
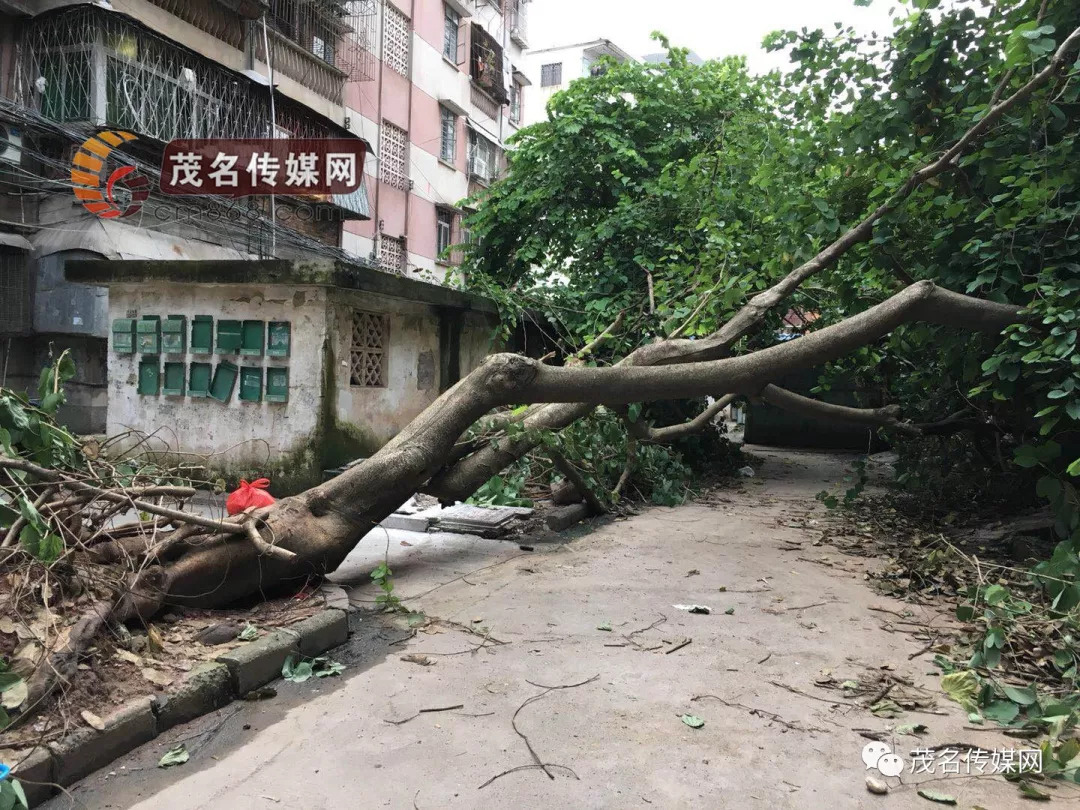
point(554, 68)
point(431, 88)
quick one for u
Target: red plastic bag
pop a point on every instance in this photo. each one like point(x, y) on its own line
point(248, 495)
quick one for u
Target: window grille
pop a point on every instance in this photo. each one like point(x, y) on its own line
point(392, 254)
point(551, 75)
point(393, 156)
point(444, 231)
point(483, 157)
point(396, 40)
point(451, 26)
point(367, 356)
point(448, 127)
point(515, 103)
point(14, 293)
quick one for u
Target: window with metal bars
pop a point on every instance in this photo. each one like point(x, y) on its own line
point(444, 232)
point(515, 103)
point(451, 27)
point(392, 254)
point(551, 75)
point(483, 158)
point(393, 156)
point(448, 131)
point(367, 354)
point(14, 293)
point(396, 40)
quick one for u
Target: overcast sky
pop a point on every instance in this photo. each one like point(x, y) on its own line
point(712, 28)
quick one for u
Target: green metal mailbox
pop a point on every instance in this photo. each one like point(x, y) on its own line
point(252, 337)
point(174, 380)
point(148, 331)
point(149, 377)
point(174, 335)
point(251, 384)
point(224, 379)
point(202, 334)
point(277, 385)
point(229, 337)
point(123, 334)
point(199, 380)
point(278, 338)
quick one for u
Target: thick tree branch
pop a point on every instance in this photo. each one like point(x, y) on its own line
point(888, 416)
point(572, 475)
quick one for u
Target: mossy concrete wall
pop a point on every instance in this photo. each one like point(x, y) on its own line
point(326, 421)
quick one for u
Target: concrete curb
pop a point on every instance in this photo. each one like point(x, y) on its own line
point(209, 687)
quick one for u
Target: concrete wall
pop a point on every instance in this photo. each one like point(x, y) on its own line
point(326, 421)
point(241, 435)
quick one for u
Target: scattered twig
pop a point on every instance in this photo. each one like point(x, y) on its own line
point(513, 720)
point(766, 658)
point(678, 646)
point(816, 604)
point(425, 711)
point(762, 713)
point(543, 767)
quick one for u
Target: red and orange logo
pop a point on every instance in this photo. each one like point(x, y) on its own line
point(88, 173)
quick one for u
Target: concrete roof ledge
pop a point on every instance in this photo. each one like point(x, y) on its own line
point(312, 272)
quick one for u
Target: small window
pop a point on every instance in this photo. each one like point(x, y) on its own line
point(367, 356)
point(396, 40)
point(483, 158)
point(444, 230)
point(448, 130)
point(451, 27)
point(515, 103)
point(393, 150)
point(551, 74)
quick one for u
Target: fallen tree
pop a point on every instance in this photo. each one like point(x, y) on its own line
point(173, 557)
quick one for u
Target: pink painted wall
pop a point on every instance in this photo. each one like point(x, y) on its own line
point(426, 130)
point(422, 227)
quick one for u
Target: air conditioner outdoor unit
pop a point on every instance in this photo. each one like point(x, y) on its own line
point(10, 145)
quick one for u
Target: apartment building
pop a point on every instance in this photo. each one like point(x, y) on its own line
point(430, 88)
point(557, 66)
point(449, 91)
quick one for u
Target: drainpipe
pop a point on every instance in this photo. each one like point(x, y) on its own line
point(377, 235)
point(273, 134)
point(408, 127)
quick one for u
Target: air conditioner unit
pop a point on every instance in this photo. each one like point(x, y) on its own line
point(10, 145)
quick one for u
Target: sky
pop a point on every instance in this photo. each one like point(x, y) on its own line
point(712, 28)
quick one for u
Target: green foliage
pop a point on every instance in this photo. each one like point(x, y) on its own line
point(856, 478)
point(383, 579)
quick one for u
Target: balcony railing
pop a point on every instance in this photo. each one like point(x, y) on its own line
point(298, 63)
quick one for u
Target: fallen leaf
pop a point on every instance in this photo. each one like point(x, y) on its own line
point(876, 786)
point(911, 729)
point(249, 633)
point(130, 657)
point(92, 720)
point(702, 609)
point(693, 721)
point(693, 572)
point(730, 611)
point(1029, 791)
point(153, 637)
point(15, 695)
point(605, 626)
point(963, 687)
point(8, 627)
point(934, 796)
point(416, 658)
point(156, 677)
point(177, 755)
point(849, 685)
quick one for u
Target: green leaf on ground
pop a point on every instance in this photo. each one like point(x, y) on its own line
point(605, 626)
point(249, 633)
point(177, 755)
point(1023, 695)
point(693, 720)
point(325, 667)
point(963, 687)
point(1001, 711)
point(935, 796)
point(911, 729)
point(1029, 791)
point(730, 611)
